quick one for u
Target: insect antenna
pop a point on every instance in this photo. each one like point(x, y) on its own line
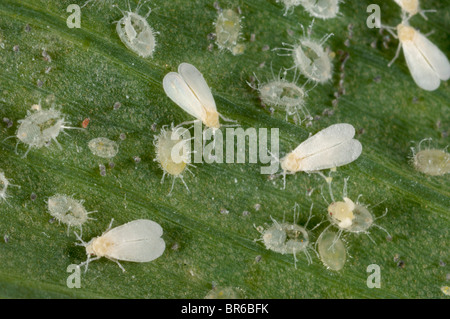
point(82, 242)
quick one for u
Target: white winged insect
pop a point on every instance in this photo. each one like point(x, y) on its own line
point(427, 64)
point(332, 147)
point(189, 90)
point(137, 241)
point(411, 8)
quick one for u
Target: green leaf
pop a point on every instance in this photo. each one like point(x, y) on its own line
point(91, 70)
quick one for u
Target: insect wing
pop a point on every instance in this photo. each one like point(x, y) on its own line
point(421, 71)
point(435, 57)
point(335, 156)
point(401, 4)
point(179, 92)
point(139, 241)
point(198, 85)
point(325, 139)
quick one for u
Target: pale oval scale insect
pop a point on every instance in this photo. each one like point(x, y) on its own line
point(165, 145)
point(310, 57)
point(288, 4)
point(323, 9)
point(4, 184)
point(349, 216)
point(432, 162)
point(103, 147)
point(189, 90)
point(426, 62)
point(228, 28)
point(172, 153)
point(135, 32)
point(332, 250)
point(40, 127)
point(285, 95)
point(67, 210)
point(332, 147)
point(342, 212)
point(137, 241)
point(287, 238)
point(281, 93)
point(312, 60)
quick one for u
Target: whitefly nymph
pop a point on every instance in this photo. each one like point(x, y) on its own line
point(286, 95)
point(68, 210)
point(430, 161)
point(228, 31)
point(4, 184)
point(290, 4)
point(173, 153)
point(349, 216)
point(310, 58)
point(40, 127)
point(323, 9)
point(103, 147)
point(137, 241)
point(287, 238)
point(135, 32)
point(332, 250)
